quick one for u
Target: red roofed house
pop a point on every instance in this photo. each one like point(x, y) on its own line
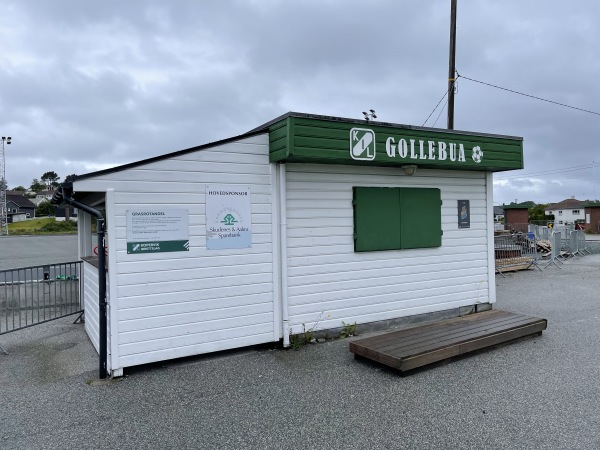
point(566, 211)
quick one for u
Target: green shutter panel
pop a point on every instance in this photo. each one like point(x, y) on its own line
point(421, 221)
point(376, 219)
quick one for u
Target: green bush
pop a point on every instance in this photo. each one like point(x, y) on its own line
point(67, 225)
point(45, 208)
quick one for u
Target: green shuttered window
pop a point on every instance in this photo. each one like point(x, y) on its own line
point(396, 218)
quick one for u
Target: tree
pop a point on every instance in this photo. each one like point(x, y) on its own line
point(70, 177)
point(3, 184)
point(537, 213)
point(37, 186)
point(50, 179)
point(19, 188)
point(45, 208)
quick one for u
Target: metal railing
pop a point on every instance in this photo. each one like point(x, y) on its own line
point(582, 247)
point(38, 294)
point(555, 251)
point(516, 250)
point(517, 227)
point(567, 243)
point(540, 231)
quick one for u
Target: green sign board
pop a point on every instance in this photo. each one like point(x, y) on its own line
point(323, 140)
point(158, 246)
point(155, 230)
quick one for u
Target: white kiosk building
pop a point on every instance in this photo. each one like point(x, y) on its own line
point(306, 221)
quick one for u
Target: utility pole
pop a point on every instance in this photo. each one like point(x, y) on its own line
point(3, 188)
point(452, 65)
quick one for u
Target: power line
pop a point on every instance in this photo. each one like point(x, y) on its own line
point(441, 111)
point(551, 171)
point(436, 106)
point(529, 95)
point(555, 172)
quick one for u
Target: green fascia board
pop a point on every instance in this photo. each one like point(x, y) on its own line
point(591, 205)
point(302, 138)
point(524, 205)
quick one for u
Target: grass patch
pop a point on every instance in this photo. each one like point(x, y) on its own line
point(46, 225)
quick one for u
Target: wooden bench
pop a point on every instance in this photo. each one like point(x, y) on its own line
point(421, 345)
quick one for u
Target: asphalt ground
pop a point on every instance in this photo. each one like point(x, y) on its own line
point(540, 393)
point(28, 251)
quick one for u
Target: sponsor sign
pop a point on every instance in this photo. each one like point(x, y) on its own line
point(155, 230)
point(228, 217)
point(464, 214)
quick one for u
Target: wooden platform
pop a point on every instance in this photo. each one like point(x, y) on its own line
point(514, 264)
point(418, 346)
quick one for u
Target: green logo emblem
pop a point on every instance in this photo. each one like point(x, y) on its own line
point(229, 220)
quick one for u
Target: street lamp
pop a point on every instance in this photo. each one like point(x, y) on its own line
point(3, 188)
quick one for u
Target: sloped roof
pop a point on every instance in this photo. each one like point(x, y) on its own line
point(568, 203)
point(20, 200)
point(265, 128)
point(163, 157)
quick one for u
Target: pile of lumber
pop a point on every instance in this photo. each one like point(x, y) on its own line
point(544, 247)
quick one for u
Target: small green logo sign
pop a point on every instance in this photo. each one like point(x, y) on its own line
point(229, 220)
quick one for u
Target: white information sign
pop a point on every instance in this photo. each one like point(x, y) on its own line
point(156, 230)
point(228, 217)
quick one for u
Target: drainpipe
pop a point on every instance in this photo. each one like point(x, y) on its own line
point(63, 194)
point(283, 253)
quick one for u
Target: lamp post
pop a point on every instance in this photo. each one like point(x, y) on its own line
point(3, 187)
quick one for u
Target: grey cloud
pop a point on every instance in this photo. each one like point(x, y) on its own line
point(94, 84)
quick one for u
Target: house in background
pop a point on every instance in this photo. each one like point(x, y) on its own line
point(498, 214)
point(516, 216)
point(44, 195)
point(18, 205)
point(36, 201)
point(566, 211)
point(592, 216)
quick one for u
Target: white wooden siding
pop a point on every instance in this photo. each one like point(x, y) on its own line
point(184, 303)
point(329, 282)
point(90, 298)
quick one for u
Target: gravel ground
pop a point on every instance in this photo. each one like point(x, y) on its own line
point(593, 246)
point(537, 393)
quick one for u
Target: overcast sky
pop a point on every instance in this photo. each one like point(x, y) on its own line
point(90, 85)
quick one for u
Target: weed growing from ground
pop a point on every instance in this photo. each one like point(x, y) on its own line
point(307, 336)
point(348, 330)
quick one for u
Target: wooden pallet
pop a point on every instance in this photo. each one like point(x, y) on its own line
point(418, 346)
point(514, 264)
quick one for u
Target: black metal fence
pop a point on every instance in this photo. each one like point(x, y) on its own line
point(38, 294)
